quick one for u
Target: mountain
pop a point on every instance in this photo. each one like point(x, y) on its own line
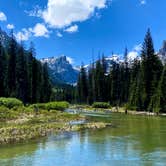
point(4, 37)
point(61, 70)
point(162, 52)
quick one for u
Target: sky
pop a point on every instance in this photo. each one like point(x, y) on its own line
point(84, 29)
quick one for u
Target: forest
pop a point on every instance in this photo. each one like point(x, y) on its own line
point(21, 75)
point(140, 85)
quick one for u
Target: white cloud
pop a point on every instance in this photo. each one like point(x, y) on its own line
point(35, 12)
point(62, 13)
point(2, 16)
point(59, 34)
point(10, 26)
point(71, 29)
point(71, 61)
point(39, 30)
point(142, 2)
point(23, 35)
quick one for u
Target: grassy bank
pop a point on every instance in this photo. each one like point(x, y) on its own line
point(109, 109)
point(19, 123)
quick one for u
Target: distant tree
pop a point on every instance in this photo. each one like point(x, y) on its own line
point(46, 85)
point(11, 68)
point(82, 86)
point(21, 75)
point(3, 68)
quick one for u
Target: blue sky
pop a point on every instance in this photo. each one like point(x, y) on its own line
point(76, 27)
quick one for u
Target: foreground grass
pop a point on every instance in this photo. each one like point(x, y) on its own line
point(21, 123)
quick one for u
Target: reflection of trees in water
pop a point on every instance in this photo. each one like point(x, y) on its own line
point(133, 135)
point(11, 151)
point(58, 141)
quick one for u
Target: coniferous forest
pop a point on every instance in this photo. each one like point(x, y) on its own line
point(140, 85)
point(21, 75)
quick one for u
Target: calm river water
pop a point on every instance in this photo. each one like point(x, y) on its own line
point(134, 140)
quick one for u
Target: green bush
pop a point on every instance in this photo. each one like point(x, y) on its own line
point(100, 105)
point(10, 102)
point(51, 106)
point(7, 114)
point(57, 105)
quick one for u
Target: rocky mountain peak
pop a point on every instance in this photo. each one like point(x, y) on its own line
point(61, 70)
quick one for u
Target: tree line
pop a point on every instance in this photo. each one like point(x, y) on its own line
point(140, 85)
point(21, 74)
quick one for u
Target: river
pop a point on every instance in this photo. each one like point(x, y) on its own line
point(133, 140)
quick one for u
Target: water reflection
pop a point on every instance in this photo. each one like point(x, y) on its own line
point(135, 140)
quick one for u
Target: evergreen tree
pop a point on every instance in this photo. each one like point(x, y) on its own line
point(46, 85)
point(21, 75)
point(151, 66)
point(11, 69)
point(82, 86)
point(163, 90)
point(3, 68)
point(30, 57)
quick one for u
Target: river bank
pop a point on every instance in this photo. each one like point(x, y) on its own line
point(90, 109)
point(31, 125)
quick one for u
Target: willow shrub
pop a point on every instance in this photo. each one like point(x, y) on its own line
point(61, 106)
point(10, 102)
point(101, 105)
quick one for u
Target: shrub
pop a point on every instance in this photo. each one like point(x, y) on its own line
point(57, 105)
point(10, 102)
point(52, 106)
point(7, 114)
point(100, 105)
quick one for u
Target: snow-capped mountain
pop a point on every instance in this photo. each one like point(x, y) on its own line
point(162, 52)
point(61, 70)
point(4, 38)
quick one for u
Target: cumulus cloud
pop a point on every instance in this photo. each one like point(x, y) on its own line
point(10, 26)
point(39, 30)
point(71, 29)
point(62, 13)
point(2, 16)
point(23, 35)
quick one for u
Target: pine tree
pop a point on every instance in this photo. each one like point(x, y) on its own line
point(82, 86)
point(90, 85)
point(11, 69)
point(21, 75)
point(126, 83)
point(30, 57)
point(3, 61)
point(46, 85)
point(151, 68)
point(163, 90)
